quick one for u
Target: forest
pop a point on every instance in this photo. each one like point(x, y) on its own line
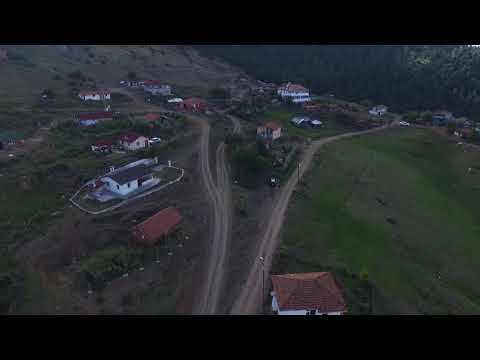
point(405, 77)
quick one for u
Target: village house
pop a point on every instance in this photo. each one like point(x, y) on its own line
point(378, 110)
point(124, 181)
point(297, 93)
point(133, 141)
point(92, 118)
point(269, 132)
point(157, 227)
point(155, 87)
point(307, 294)
point(442, 117)
point(192, 104)
point(96, 95)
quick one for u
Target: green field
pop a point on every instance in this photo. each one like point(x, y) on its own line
point(397, 208)
point(283, 115)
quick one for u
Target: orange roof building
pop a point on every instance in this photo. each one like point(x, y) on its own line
point(158, 226)
point(307, 294)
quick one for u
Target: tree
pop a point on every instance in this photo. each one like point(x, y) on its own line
point(451, 127)
point(49, 93)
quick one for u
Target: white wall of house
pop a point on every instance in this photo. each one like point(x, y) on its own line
point(297, 97)
point(139, 143)
point(95, 97)
point(127, 188)
point(124, 189)
point(297, 312)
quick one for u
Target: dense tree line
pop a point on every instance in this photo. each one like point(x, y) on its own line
point(406, 77)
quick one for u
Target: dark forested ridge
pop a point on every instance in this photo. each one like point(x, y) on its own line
point(406, 77)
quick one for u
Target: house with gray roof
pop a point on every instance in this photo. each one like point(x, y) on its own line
point(125, 181)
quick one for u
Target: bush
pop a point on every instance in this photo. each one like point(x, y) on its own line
point(132, 75)
point(77, 75)
point(250, 167)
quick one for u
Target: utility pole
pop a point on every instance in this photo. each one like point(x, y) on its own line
point(262, 260)
point(298, 171)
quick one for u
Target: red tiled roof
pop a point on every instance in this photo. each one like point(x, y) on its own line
point(129, 137)
point(308, 291)
point(294, 88)
point(160, 224)
point(94, 115)
point(273, 125)
point(152, 116)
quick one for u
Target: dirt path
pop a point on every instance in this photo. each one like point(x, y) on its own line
point(248, 301)
point(220, 195)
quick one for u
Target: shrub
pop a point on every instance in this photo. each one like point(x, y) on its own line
point(77, 75)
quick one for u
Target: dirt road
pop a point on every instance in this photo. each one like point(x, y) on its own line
point(249, 299)
point(220, 194)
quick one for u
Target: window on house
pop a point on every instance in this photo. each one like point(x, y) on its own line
point(312, 312)
point(128, 185)
point(118, 187)
point(138, 143)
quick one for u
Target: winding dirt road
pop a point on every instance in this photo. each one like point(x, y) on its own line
point(249, 299)
point(220, 196)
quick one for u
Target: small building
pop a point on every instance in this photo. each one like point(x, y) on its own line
point(296, 93)
point(175, 100)
point(97, 95)
point(307, 294)
point(134, 83)
point(125, 181)
point(442, 117)
point(152, 116)
point(102, 146)
point(301, 121)
point(378, 110)
point(192, 104)
point(133, 141)
point(157, 227)
point(92, 118)
point(155, 87)
point(269, 132)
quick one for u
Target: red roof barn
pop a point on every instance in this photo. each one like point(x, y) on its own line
point(156, 227)
point(316, 291)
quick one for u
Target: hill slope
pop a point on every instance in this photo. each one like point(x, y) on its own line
point(29, 69)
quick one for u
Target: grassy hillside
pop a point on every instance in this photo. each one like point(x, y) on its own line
point(398, 209)
point(66, 69)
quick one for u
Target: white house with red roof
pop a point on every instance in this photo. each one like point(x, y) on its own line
point(297, 93)
point(269, 132)
point(133, 141)
point(307, 294)
point(96, 95)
